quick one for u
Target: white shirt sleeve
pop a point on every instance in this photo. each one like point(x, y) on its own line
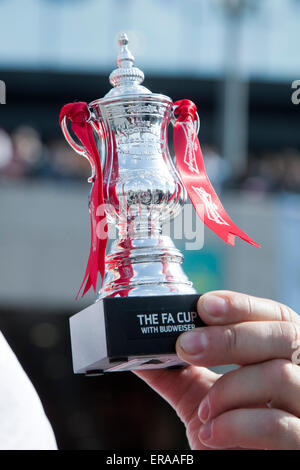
point(23, 423)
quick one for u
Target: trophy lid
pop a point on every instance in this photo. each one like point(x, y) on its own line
point(127, 78)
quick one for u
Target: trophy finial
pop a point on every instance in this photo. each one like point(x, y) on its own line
point(125, 58)
point(126, 74)
point(123, 39)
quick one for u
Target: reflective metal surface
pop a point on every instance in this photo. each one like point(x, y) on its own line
point(142, 188)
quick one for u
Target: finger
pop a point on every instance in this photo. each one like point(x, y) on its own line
point(226, 307)
point(254, 385)
point(242, 343)
point(252, 429)
point(181, 388)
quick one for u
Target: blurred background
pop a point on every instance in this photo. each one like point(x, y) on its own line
point(236, 59)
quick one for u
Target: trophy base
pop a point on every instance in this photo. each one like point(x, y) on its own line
point(131, 333)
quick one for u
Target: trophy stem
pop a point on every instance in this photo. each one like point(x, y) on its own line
point(141, 226)
point(144, 263)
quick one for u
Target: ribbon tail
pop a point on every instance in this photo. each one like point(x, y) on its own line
point(190, 165)
point(87, 286)
point(78, 113)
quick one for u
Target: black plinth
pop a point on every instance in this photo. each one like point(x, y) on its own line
point(124, 333)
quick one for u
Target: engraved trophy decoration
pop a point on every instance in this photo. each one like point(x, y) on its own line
point(145, 300)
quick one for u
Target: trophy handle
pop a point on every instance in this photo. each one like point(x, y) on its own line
point(80, 149)
point(196, 122)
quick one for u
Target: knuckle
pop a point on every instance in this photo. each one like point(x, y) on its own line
point(230, 339)
point(249, 305)
point(241, 304)
point(287, 372)
point(278, 424)
point(280, 371)
point(285, 312)
point(289, 332)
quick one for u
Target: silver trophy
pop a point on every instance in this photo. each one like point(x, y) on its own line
point(145, 291)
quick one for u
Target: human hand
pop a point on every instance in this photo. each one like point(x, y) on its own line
point(256, 406)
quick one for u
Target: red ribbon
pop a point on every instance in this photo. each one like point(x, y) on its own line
point(78, 114)
point(190, 165)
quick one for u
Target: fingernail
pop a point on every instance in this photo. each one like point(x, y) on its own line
point(205, 432)
point(193, 342)
point(204, 410)
point(214, 305)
